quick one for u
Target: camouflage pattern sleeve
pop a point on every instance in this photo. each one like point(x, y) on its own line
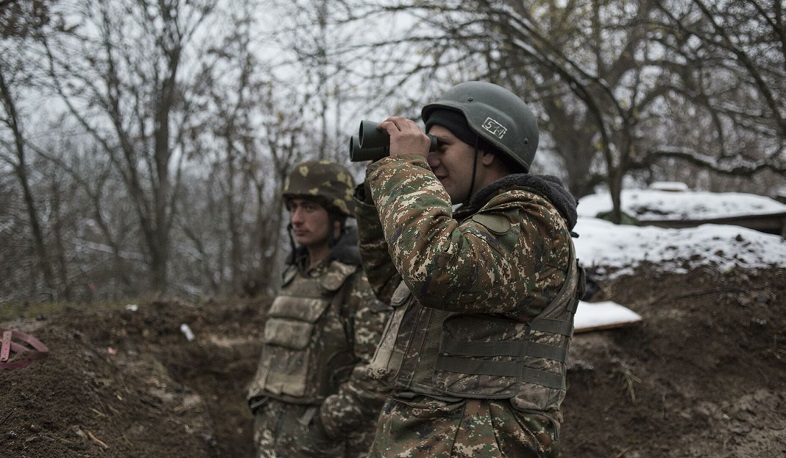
point(382, 274)
point(514, 248)
point(356, 405)
point(369, 316)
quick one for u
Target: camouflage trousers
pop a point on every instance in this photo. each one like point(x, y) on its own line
point(281, 431)
point(427, 427)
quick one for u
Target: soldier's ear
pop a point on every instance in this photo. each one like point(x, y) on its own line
point(487, 158)
point(338, 226)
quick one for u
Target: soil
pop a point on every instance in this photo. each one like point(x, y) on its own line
point(701, 375)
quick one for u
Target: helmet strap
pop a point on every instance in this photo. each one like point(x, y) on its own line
point(292, 245)
point(332, 229)
point(474, 170)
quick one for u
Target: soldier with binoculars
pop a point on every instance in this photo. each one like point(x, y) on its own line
point(483, 297)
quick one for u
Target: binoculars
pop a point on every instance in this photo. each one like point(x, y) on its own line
point(372, 144)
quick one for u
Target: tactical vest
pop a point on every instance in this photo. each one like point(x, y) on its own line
point(308, 342)
point(447, 354)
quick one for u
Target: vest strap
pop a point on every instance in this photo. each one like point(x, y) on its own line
point(504, 348)
point(502, 369)
point(551, 326)
point(548, 379)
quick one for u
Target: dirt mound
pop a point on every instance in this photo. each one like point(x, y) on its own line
point(128, 383)
point(702, 375)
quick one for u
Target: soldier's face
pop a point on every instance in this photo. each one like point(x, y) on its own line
point(452, 164)
point(310, 223)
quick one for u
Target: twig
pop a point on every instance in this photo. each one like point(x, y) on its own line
point(6, 417)
point(628, 378)
point(622, 453)
point(96, 440)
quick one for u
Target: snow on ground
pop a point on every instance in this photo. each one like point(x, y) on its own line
point(657, 204)
point(604, 244)
point(622, 248)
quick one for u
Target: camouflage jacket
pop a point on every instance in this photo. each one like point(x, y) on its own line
point(498, 262)
point(349, 317)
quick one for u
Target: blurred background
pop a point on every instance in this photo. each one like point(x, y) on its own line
point(143, 144)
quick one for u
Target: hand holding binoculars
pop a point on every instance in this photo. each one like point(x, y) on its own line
point(372, 144)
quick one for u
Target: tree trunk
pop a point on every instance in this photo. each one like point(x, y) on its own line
point(20, 170)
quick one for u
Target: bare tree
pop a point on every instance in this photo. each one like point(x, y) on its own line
point(606, 76)
point(97, 235)
point(18, 21)
point(735, 70)
point(188, 147)
point(121, 72)
point(578, 62)
point(249, 134)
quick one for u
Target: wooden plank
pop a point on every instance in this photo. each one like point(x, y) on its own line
point(771, 223)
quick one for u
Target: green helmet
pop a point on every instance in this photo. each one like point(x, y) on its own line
point(324, 181)
point(496, 115)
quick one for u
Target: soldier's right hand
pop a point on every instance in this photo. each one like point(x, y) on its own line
point(405, 136)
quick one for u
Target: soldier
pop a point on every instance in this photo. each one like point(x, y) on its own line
point(483, 297)
point(324, 321)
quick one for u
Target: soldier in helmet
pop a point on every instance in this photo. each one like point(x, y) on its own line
point(324, 321)
point(483, 296)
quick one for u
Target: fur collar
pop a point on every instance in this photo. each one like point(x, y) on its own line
point(547, 186)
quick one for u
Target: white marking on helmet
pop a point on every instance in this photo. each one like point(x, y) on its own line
point(494, 128)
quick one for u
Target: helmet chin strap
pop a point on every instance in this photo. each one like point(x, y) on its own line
point(474, 171)
point(292, 245)
point(331, 230)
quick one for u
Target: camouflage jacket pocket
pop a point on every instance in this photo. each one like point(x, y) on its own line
point(286, 333)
